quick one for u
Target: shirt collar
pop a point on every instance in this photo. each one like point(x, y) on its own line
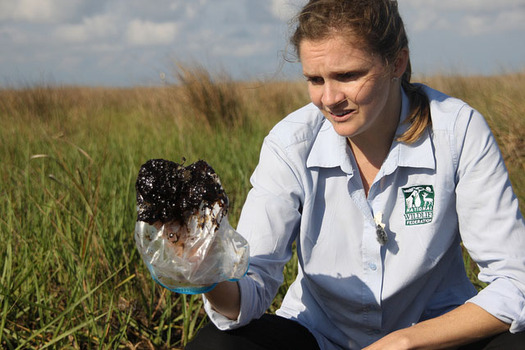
point(419, 154)
point(330, 150)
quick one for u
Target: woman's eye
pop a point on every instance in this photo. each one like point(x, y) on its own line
point(348, 76)
point(314, 80)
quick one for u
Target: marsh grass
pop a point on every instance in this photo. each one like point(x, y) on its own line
point(213, 100)
point(70, 275)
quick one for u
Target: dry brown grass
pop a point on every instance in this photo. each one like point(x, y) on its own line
point(206, 101)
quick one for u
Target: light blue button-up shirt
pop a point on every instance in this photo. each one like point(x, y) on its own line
point(450, 186)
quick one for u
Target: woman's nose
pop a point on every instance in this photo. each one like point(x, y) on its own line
point(332, 95)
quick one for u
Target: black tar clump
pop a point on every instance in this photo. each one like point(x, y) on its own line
point(168, 191)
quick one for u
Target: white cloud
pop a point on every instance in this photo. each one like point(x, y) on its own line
point(142, 33)
point(465, 17)
point(39, 11)
point(191, 9)
point(93, 28)
point(463, 5)
point(423, 20)
point(502, 22)
point(285, 9)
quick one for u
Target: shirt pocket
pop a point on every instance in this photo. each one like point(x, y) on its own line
point(425, 219)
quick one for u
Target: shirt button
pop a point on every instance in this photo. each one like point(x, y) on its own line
point(372, 266)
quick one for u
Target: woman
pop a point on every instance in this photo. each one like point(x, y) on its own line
point(378, 181)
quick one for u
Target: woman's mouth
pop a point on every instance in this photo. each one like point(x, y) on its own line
point(341, 115)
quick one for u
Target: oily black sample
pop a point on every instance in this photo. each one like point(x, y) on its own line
point(169, 191)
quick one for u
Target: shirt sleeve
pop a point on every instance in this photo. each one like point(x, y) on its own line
point(270, 222)
point(490, 222)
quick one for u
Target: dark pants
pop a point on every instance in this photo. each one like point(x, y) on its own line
point(502, 341)
point(272, 332)
point(269, 332)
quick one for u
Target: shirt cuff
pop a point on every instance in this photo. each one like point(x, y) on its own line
point(504, 301)
point(224, 323)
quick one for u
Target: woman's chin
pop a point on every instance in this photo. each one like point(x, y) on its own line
point(345, 129)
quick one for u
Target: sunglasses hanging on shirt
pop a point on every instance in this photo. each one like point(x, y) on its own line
point(381, 235)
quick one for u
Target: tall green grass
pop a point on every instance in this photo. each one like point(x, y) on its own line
point(70, 276)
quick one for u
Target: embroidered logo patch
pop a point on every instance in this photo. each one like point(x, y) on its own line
point(419, 204)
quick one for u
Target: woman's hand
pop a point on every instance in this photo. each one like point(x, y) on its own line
point(225, 298)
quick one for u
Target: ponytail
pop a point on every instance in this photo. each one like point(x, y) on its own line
point(419, 112)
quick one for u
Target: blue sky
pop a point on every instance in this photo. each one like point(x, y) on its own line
point(133, 42)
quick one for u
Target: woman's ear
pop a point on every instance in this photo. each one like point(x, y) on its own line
point(400, 65)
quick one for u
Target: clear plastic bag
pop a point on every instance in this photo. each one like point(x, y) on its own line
point(193, 258)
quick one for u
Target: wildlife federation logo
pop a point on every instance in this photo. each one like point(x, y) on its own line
point(419, 204)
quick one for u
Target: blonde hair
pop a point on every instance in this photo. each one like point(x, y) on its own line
point(380, 29)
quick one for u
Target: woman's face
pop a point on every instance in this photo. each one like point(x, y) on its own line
point(352, 87)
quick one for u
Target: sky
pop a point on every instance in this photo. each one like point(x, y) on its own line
point(138, 42)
